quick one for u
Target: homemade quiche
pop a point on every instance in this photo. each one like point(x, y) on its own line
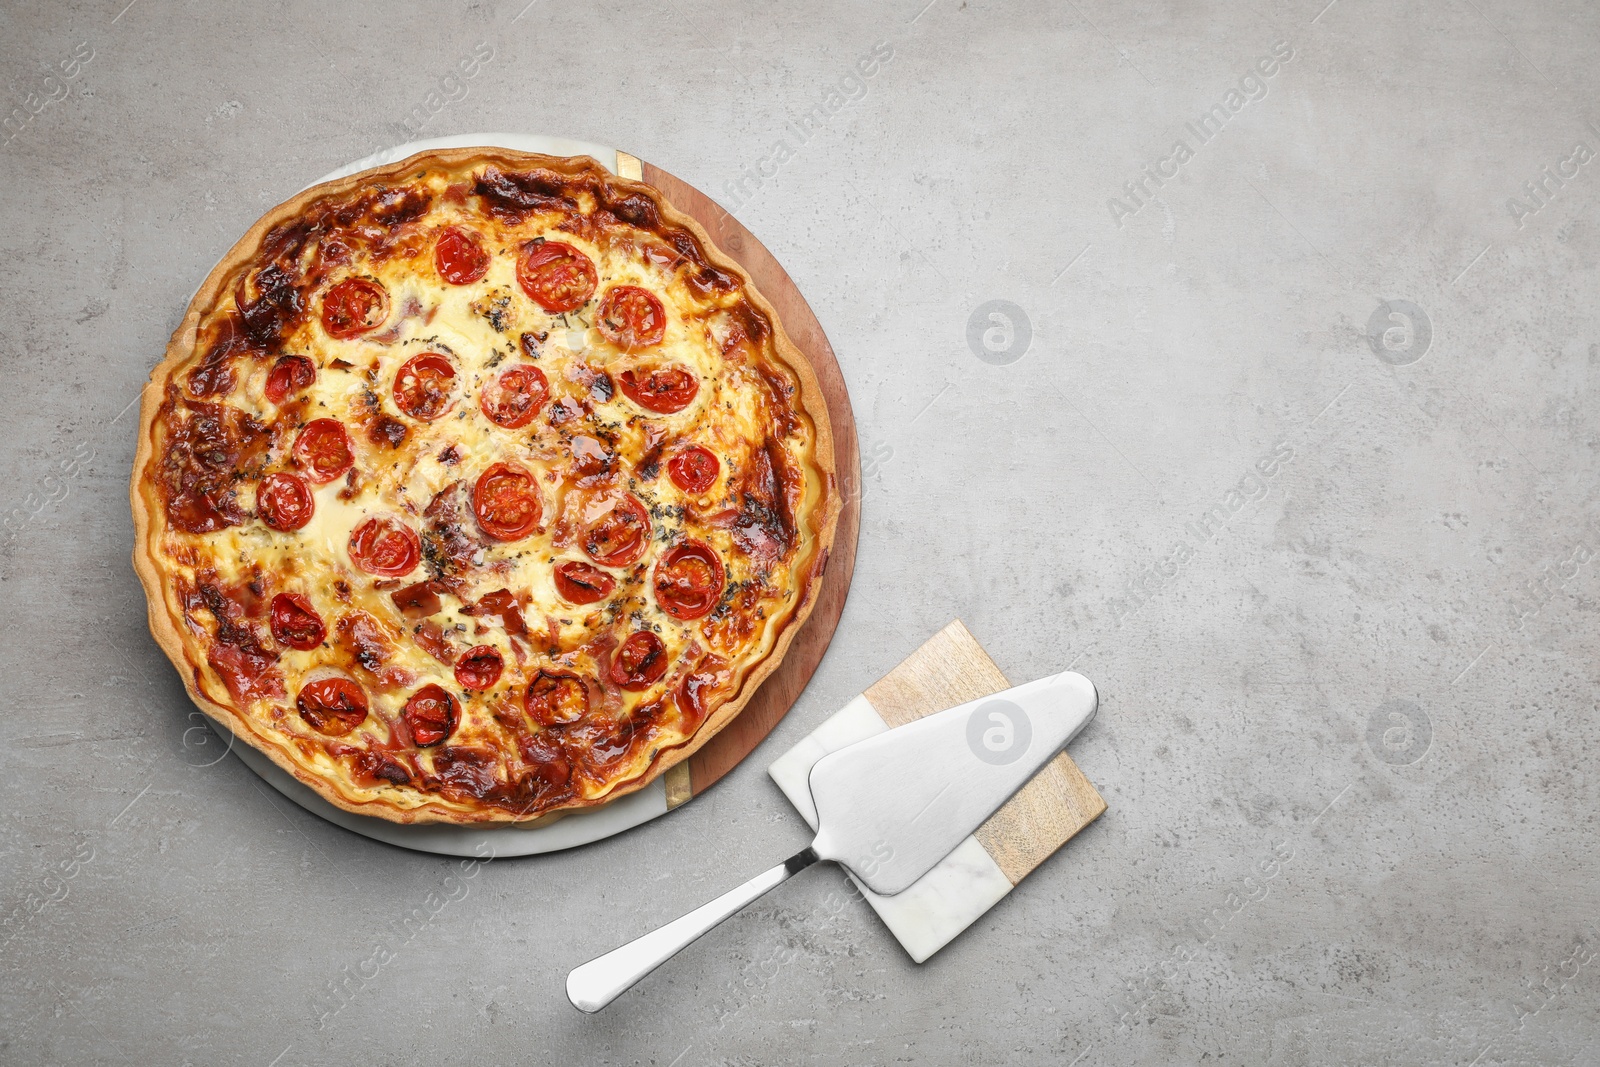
point(479, 487)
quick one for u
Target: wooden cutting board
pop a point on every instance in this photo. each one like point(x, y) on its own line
point(779, 692)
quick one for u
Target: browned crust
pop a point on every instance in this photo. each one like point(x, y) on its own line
point(148, 525)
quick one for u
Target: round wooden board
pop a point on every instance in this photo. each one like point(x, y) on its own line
point(779, 692)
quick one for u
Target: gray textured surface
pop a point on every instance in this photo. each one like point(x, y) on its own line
point(1437, 911)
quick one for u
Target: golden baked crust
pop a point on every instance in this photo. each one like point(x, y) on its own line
point(346, 517)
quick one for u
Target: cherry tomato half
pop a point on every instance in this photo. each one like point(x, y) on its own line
point(640, 662)
point(580, 583)
point(284, 501)
point(459, 256)
point(618, 531)
point(688, 580)
point(556, 697)
point(424, 386)
point(506, 502)
point(479, 667)
point(322, 449)
point(631, 317)
point(664, 390)
point(557, 276)
point(288, 376)
point(514, 398)
point(385, 546)
point(431, 715)
point(353, 307)
point(694, 469)
point(296, 623)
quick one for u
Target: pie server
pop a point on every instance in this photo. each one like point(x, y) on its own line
point(888, 809)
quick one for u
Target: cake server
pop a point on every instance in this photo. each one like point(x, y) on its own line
point(888, 808)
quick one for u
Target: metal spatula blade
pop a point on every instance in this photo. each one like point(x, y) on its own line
point(888, 809)
point(893, 805)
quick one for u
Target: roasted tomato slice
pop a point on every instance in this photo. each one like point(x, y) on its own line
point(694, 469)
point(579, 583)
point(688, 580)
point(288, 376)
point(514, 398)
point(431, 715)
point(506, 502)
point(296, 623)
point(557, 276)
point(479, 667)
point(333, 706)
point(385, 546)
point(322, 449)
point(425, 386)
point(640, 662)
point(556, 697)
point(459, 256)
point(664, 390)
point(617, 530)
point(284, 501)
point(631, 317)
point(354, 307)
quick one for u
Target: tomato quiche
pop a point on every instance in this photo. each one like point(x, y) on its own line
point(479, 488)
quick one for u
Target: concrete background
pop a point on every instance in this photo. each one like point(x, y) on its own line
point(1373, 675)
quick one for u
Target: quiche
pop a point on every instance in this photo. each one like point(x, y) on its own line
point(479, 488)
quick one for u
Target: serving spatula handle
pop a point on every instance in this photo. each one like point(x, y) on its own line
point(605, 978)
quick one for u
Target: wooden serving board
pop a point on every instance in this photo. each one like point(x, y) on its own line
point(779, 692)
point(950, 668)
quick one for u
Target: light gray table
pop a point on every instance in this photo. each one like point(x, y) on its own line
point(1348, 735)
